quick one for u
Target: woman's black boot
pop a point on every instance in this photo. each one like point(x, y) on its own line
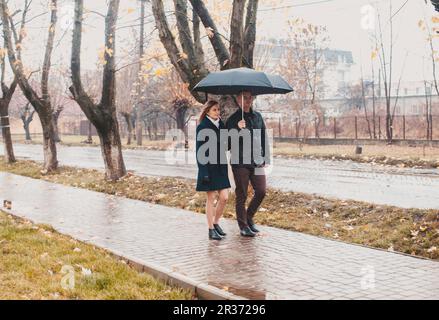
point(213, 235)
point(219, 230)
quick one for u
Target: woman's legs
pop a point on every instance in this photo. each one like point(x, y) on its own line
point(210, 208)
point(222, 201)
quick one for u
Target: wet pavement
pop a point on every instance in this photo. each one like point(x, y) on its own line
point(403, 187)
point(279, 264)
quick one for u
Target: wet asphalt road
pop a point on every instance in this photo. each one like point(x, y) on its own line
point(402, 187)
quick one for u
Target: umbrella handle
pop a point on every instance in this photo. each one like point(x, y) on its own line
point(242, 106)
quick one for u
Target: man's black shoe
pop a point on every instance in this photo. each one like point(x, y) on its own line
point(213, 235)
point(247, 232)
point(219, 230)
point(253, 228)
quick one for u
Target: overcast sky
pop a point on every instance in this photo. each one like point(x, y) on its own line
point(342, 18)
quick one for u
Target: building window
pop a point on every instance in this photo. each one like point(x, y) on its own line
point(414, 109)
point(428, 91)
point(341, 76)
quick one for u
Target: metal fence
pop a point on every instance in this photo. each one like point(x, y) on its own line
point(357, 127)
point(409, 127)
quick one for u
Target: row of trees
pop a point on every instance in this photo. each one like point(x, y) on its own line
point(303, 66)
point(383, 51)
point(187, 65)
point(190, 57)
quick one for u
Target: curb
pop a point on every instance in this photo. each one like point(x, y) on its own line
point(201, 290)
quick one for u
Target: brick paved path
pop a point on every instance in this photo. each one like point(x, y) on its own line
point(278, 265)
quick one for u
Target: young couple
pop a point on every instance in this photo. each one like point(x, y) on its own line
point(213, 175)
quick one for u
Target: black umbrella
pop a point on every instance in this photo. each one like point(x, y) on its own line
point(234, 81)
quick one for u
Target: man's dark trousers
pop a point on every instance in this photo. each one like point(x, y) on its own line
point(243, 175)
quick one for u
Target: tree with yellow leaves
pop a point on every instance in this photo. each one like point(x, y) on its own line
point(166, 94)
point(187, 55)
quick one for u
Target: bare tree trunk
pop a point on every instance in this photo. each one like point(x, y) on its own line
point(55, 118)
point(4, 115)
point(154, 127)
point(129, 121)
point(389, 126)
point(316, 127)
point(6, 132)
point(139, 109)
point(363, 98)
point(139, 127)
point(181, 61)
point(26, 117)
point(49, 143)
point(134, 129)
point(250, 32)
point(431, 120)
point(373, 103)
point(298, 125)
point(237, 34)
point(148, 127)
point(228, 103)
point(197, 39)
point(181, 107)
point(27, 130)
point(56, 130)
point(215, 38)
point(427, 110)
point(188, 44)
point(103, 116)
point(387, 75)
point(111, 150)
point(89, 133)
point(41, 104)
point(46, 118)
point(241, 47)
point(130, 130)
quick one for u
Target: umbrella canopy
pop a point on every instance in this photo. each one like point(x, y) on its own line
point(234, 81)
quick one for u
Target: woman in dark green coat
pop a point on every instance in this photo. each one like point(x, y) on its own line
point(212, 175)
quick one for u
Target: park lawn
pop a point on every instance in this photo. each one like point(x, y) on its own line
point(34, 260)
point(411, 231)
point(402, 156)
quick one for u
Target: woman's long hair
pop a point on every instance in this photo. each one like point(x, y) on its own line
point(207, 106)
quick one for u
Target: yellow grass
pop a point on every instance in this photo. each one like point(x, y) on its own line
point(423, 153)
point(39, 263)
point(384, 154)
